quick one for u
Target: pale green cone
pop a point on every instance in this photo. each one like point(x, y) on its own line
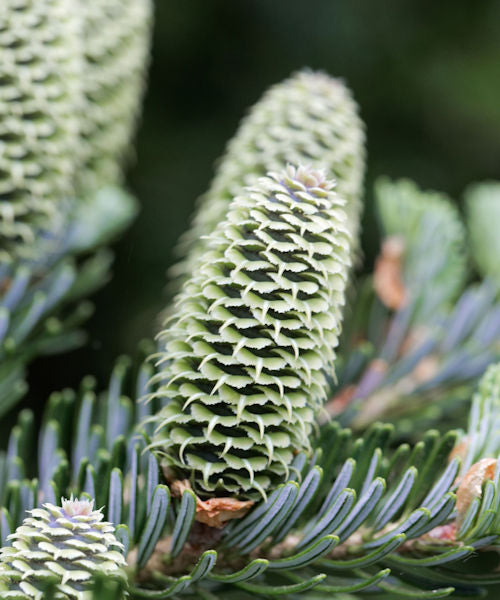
point(254, 331)
point(69, 542)
point(40, 102)
point(309, 118)
point(117, 44)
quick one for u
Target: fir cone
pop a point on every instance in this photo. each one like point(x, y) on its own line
point(40, 100)
point(254, 332)
point(69, 543)
point(309, 118)
point(117, 39)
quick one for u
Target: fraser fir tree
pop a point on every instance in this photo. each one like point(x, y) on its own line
point(284, 437)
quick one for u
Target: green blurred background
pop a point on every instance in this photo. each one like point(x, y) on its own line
point(426, 75)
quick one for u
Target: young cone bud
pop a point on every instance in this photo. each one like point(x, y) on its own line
point(68, 543)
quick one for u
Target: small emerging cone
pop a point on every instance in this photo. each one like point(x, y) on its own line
point(253, 335)
point(310, 118)
point(68, 544)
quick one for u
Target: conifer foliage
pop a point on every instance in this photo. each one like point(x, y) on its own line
point(246, 457)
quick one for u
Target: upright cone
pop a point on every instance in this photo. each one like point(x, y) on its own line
point(309, 118)
point(253, 333)
point(41, 68)
point(116, 37)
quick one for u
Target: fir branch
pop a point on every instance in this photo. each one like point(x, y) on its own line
point(355, 511)
point(414, 342)
point(417, 375)
point(247, 356)
point(433, 239)
point(44, 222)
